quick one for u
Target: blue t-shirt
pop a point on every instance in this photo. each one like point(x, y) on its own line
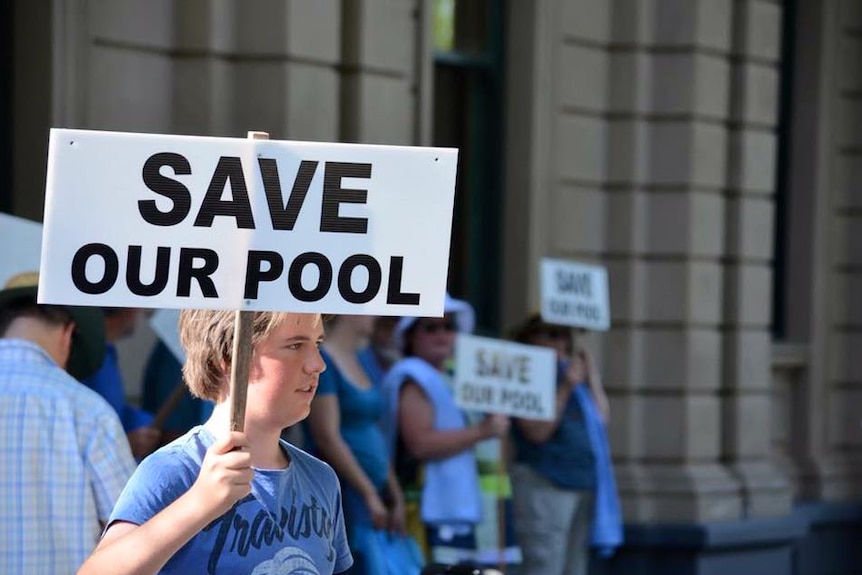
point(291, 522)
point(361, 410)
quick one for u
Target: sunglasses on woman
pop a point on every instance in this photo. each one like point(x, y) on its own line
point(436, 327)
point(553, 333)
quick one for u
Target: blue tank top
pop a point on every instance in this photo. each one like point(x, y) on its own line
point(361, 411)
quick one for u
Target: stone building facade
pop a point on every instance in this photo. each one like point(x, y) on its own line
point(708, 152)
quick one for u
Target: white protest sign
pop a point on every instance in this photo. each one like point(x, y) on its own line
point(504, 377)
point(575, 294)
point(146, 220)
point(164, 324)
point(21, 242)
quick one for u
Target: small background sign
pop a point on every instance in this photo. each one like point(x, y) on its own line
point(575, 294)
point(21, 242)
point(499, 376)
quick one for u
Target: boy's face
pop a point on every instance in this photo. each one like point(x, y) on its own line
point(284, 371)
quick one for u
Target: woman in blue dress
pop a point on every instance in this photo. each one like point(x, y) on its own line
point(344, 430)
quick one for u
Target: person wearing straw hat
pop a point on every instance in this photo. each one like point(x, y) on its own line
point(424, 426)
point(227, 502)
point(65, 457)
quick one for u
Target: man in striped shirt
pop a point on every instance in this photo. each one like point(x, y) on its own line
point(63, 453)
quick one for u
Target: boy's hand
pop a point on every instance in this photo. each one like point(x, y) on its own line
point(226, 473)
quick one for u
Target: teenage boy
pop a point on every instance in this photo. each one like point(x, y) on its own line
point(219, 502)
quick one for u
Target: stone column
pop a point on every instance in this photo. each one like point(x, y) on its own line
point(667, 173)
point(822, 256)
point(841, 315)
point(385, 57)
point(216, 68)
point(531, 48)
point(284, 59)
point(630, 86)
point(749, 231)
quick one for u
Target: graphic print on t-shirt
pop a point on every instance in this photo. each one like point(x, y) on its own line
point(288, 561)
point(248, 527)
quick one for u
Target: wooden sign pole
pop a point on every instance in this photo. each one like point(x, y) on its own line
point(241, 357)
point(501, 506)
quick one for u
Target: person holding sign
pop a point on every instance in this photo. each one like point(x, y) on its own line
point(425, 426)
point(344, 428)
point(562, 481)
point(65, 457)
point(221, 502)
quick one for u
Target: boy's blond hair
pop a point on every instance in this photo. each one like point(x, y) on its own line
point(207, 337)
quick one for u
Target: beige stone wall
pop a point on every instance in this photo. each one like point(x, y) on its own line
point(640, 134)
point(651, 149)
point(218, 68)
point(326, 70)
point(750, 211)
point(386, 72)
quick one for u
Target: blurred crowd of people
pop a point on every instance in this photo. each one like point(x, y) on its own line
point(383, 416)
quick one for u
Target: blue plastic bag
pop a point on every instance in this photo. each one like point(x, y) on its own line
point(402, 553)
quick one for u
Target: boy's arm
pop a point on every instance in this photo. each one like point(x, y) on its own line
point(224, 479)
